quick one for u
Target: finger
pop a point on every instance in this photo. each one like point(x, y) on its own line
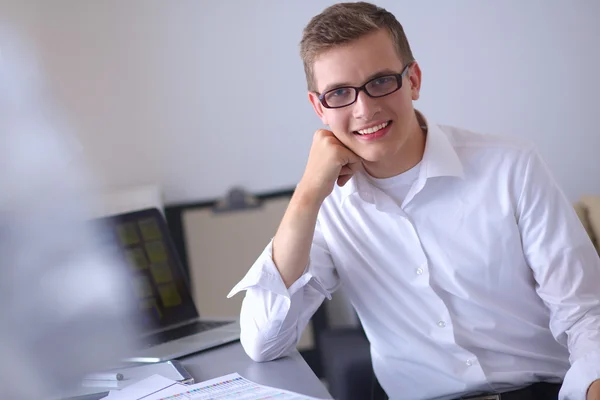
point(346, 170)
point(352, 160)
point(342, 180)
point(355, 166)
point(323, 132)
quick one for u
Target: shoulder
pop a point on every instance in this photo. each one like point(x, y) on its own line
point(490, 149)
point(462, 138)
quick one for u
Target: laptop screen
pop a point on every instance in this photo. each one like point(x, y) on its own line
point(157, 280)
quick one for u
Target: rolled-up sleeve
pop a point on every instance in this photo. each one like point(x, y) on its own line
point(272, 316)
point(566, 268)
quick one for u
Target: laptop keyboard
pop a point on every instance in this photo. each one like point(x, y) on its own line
point(185, 330)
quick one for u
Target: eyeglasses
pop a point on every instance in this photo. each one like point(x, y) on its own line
point(376, 87)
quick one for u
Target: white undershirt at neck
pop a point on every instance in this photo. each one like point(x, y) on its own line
point(397, 187)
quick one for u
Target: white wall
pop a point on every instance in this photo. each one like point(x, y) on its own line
point(200, 95)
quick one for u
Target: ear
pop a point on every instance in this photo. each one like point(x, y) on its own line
point(318, 107)
point(414, 77)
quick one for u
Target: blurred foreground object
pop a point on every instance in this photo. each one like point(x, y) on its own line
point(64, 306)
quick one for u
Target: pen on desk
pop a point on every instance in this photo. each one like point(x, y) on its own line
point(105, 376)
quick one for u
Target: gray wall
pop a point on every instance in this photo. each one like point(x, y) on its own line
point(200, 95)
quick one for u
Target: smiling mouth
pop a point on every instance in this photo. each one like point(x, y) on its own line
point(373, 129)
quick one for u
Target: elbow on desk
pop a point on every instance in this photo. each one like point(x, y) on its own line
point(262, 350)
point(257, 356)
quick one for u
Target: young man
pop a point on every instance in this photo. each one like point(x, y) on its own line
point(468, 268)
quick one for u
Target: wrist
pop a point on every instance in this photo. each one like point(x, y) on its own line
point(309, 197)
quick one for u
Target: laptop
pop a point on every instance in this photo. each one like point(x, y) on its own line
point(170, 324)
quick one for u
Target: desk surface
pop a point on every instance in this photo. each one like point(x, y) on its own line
point(289, 373)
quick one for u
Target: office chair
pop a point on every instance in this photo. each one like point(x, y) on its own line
point(377, 392)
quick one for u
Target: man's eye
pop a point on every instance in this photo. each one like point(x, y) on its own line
point(339, 92)
point(386, 80)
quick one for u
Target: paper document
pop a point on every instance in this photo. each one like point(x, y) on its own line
point(146, 388)
point(232, 386)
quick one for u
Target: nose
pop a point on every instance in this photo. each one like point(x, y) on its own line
point(365, 107)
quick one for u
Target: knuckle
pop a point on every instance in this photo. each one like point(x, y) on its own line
point(320, 133)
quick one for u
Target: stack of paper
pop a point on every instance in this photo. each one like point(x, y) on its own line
point(232, 386)
point(146, 387)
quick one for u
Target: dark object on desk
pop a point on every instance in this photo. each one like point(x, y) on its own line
point(169, 321)
point(236, 200)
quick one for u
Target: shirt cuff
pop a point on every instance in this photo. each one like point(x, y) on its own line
point(264, 274)
point(580, 376)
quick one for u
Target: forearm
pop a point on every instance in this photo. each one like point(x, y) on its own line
point(272, 324)
point(583, 372)
point(292, 242)
point(273, 316)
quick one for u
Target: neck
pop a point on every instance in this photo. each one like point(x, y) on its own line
point(408, 155)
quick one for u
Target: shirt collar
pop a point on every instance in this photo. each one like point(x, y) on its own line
point(439, 159)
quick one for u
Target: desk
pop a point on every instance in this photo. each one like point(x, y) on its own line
point(289, 373)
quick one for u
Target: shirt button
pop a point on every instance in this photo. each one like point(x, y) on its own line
point(442, 324)
point(419, 271)
point(469, 363)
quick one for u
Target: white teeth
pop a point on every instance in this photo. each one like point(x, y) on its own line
point(373, 129)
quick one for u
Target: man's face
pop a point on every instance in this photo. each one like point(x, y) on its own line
point(355, 64)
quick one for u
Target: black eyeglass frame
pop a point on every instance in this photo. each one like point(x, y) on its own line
point(357, 89)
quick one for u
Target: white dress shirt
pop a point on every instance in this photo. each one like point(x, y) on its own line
point(483, 279)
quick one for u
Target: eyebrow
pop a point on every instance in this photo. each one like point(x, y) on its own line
point(372, 76)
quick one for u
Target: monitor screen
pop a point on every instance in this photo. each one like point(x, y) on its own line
point(157, 280)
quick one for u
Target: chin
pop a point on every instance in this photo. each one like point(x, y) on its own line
point(373, 155)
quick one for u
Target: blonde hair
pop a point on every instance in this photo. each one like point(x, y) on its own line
point(345, 22)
